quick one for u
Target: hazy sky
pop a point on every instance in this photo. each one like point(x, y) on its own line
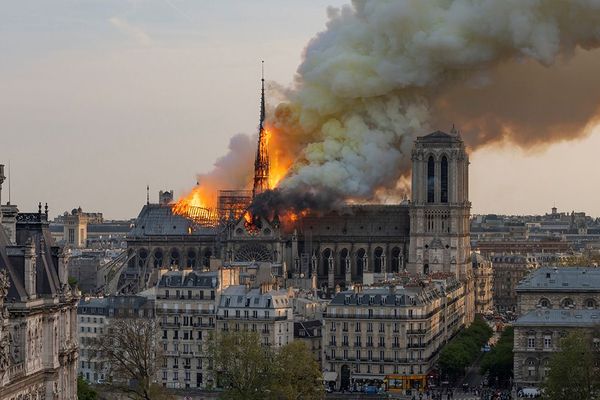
point(99, 98)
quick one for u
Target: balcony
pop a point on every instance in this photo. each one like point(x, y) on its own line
point(416, 332)
point(170, 324)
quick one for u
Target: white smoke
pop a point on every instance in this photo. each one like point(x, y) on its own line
point(379, 73)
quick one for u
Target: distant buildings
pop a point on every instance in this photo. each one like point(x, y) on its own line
point(509, 270)
point(552, 303)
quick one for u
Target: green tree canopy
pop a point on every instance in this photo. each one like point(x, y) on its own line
point(243, 367)
point(573, 373)
point(464, 348)
point(129, 348)
point(248, 370)
point(84, 391)
point(298, 374)
point(498, 363)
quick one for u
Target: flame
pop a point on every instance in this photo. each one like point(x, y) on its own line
point(197, 198)
point(291, 217)
point(279, 158)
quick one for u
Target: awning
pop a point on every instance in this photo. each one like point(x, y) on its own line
point(368, 377)
point(330, 376)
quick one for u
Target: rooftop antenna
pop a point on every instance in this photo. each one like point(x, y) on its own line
point(147, 194)
point(9, 181)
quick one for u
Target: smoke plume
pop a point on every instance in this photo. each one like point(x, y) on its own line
point(383, 72)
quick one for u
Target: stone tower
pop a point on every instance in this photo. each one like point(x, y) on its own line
point(440, 207)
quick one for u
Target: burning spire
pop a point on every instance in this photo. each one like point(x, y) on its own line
point(261, 165)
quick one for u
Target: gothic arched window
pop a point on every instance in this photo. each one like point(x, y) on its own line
point(430, 180)
point(444, 180)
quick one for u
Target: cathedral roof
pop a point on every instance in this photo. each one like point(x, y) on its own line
point(159, 220)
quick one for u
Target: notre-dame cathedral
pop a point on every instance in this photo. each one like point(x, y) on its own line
point(428, 234)
point(355, 244)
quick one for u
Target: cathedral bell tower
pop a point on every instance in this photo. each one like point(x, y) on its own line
point(440, 207)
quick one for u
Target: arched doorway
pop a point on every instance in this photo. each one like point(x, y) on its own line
point(345, 377)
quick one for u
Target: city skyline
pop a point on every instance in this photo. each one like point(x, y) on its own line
point(106, 98)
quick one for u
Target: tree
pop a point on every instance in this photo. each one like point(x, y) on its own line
point(573, 374)
point(129, 347)
point(248, 370)
point(298, 375)
point(84, 391)
point(243, 367)
point(464, 348)
point(498, 363)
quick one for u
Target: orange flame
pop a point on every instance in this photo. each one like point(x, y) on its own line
point(197, 198)
point(279, 158)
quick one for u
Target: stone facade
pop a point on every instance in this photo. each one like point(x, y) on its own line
point(509, 270)
point(440, 207)
point(38, 336)
point(94, 317)
point(375, 332)
point(484, 283)
point(265, 310)
point(186, 308)
point(552, 302)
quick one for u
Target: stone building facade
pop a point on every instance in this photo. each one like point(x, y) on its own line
point(484, 283)
point(377, 332)
point(38, 336)
point(552, 302)
point(440, 207)
point(94, 317)
point(509, 270)
point(186, 308)
point(265, 310)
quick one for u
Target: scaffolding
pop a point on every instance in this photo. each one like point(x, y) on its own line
point(203, 216)
point(233, 203)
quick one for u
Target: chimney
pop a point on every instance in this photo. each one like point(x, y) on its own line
point(29, 273)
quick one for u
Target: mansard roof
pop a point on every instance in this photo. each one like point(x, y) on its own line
point(385, 296)
point(31, 230)
point(572, 318)
point(179, 279)
point(564, 279)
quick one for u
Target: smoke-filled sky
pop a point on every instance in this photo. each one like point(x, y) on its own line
point(100, 98)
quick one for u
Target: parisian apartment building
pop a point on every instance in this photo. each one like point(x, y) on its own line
point(509, 270)
point(372, 332)
point(94, 315)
